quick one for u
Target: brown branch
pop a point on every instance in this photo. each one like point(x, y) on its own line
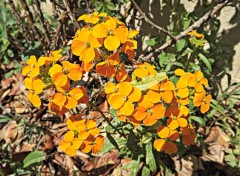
point(195, 25)
point(18, 17)
point(31, 22)
point(150, 22)
point(40, 14)
point(70, 14)
point(56, 4)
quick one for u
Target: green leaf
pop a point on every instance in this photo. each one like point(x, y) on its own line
point(180, 44)
point(198, 119)
point(134, 166)
point(9, 74)
point(145, 171)
point(110, 6)
point(150, 159)
point(109, 145)
point(152, 41)
point(206, 61)
point(33, 157)
point(4, 119)
point(149, 81)
point(166, 58)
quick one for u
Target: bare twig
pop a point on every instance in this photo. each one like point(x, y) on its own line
point(40, 14)
point(152, 23)
point(195, 25)
point(56, 4)
point(31, 22)
point(18, 17)
point(70, 14)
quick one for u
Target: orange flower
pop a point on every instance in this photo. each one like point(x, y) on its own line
point(60, 74)
point(183, 83)
point(200, 99)
point(194, 33)
point(177, 117)
point(84, 45)
point(166, 142)
point(92, 18)
point(113, 35)
point(67, 99)
point(197, 81)
point(124, 98)
point(149, 116)
point(70, 144)
point(32, 69)
point(144, 70)
point(105, 69)
point(35, 87)
point(188, 135)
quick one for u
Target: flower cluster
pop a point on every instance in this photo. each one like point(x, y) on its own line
point(47, 73)
point(151, 97)
point(100, 43)
point(196, 38)
point(82, 135)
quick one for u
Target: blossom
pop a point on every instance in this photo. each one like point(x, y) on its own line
point(144, 69)
point(124, 98)
point(149, 116)
point(188, 135)
point(35, 87)
point(32, 69)
point(84, 45)
point(167, 136)
point(92, 18)
point(197, 81)
point(202, 100)
point(60, 74)
point(195, 34)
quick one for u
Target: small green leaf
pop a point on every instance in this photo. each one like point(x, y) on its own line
point(166, 58)
point(150, 160)
point(110, 6)
point(4, 119)
point(198, 119)
point(33, 157)
point(109, 145)
point(149, 81)
point(206, 61)
point(152, 41)
point(145, 171)
point(180, 44)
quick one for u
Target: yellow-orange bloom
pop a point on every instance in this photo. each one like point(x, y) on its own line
point(125, 97)
point(84, 45)
point(60, 74)
point(144, 69)
point(35, 87)
point(200, 99)
point(32, 69)
point(92, 18)
point(197, 81)
point(166, 142)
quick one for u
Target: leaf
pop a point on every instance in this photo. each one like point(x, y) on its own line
point(110, 6)
point(152, 41)
point(198, 119)
point(150, 159)
point(180, 44)
point(110, 145)
point(166, 58)
point(149, 81)
point(145, 171)
point(33, 157)
point(206, 61)
point(134, 166)
point(4, 119)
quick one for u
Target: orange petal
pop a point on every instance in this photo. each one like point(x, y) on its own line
point(163, 132)
point(170, 148)
point(158, 111)
point(32, 60)
point(100, 31)
point(204, 108)
point(172, 124)
point(159, 144)
point(63, 145)
point(91, 124)
point(109, 88)
point(110, 24)
point(94, 42)
point(111, 43)
point(28, 83)
point(183, 93)
point(116, 101)
point(125, 88)
point(55, 69)
point(59, 99)
point(71, 151)
point(182, 122)
point(127, 108)
point(179, 72)
point(38, 86)
point(135, 95)
point(143, 102)
point(141, 73)
point(88, 55)
point(149, 120)
point(189, 139)
point(174, 135)
point(76, 93)
point(77, 47)
point(34, 72)
point(71, 103)
point(132, 33)
point(153, 96)
point(26, 70)
point(68, 136)
point(122, 33)
point(167, 96)
point(99, 141)
point(34, 99)
point(140, 113)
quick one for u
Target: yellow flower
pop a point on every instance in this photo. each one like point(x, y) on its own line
point(92, 18)
point(32, 69)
